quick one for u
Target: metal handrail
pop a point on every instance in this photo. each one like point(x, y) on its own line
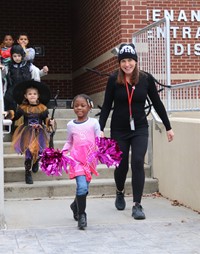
point(2, 216)
point(6, 122)
point(186, 84)
point(153, 47)
point(185, 97)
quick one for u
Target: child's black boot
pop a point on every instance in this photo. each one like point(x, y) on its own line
point(28, 176)
point(82, 216)
point(74, 209)
point(35, 166)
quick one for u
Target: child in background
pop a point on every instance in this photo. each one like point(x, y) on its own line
point(23, 40)
point(19, 70)
point(5, 56)
point(81, 134)
point(32, 136)
point(6, 45)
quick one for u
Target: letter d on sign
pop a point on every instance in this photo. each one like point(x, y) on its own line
point(178, 49)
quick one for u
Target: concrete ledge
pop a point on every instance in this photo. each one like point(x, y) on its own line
point(60, 188)
point(17, 174)
point(176, 164)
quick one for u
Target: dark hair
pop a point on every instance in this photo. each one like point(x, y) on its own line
point(84, 96)
point(7, 35)
point(2, 43)
point(21, 34)
point(134, 77)
point(18, 50)
point(24, 34)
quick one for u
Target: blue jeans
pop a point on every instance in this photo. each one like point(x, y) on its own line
point(82, 186)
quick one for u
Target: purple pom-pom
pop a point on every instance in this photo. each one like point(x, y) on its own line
point(53, 161)
point(108, 152)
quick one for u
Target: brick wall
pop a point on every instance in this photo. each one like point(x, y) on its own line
point(188, 62)
point(76, 33)
point(48, 23)
point(102, 25)
point(132, 15)
point(96, 28)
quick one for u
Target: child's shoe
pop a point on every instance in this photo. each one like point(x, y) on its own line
point(82, 221)
point(74, 209)
point(35, 167)
point(82, 217)
point(28, 176)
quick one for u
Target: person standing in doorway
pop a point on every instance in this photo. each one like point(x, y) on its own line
point(127, 89)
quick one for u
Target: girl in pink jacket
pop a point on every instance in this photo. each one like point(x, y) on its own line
point(81, 134)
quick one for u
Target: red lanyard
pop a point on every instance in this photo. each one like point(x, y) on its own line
point(130, 96)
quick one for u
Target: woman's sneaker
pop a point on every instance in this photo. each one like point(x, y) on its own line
point(120, 203)
point(137, 212)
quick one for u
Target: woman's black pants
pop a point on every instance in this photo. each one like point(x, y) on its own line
point(136, 140)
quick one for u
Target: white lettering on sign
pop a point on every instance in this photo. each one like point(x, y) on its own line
point(182, 16)
point(187, 32)
point(197, 33)
point(180, 49)
point(156, 15)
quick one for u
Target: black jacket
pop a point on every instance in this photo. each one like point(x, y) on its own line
point(116, 96)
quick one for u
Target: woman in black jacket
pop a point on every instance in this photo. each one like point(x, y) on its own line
point(127, 90)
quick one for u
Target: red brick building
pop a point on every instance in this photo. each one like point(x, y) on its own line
point(80, 33)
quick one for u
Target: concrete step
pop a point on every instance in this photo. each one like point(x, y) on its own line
point(69, 113)
point(14, 162)
point(45, 186)
point(61, 134)
point(8, 149)
point(59, 140)
point(16, 174)
point(58, 144)
point(62, 122)
point(60, 188)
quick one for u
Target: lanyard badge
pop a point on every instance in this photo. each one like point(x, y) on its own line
point(130, 96)
point(132, 124)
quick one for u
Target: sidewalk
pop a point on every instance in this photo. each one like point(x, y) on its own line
point(47, 227)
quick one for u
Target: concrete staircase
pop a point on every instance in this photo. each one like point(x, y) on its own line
point(50, 186)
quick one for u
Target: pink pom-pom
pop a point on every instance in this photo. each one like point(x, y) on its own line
point(53, 161)
point(108, 152)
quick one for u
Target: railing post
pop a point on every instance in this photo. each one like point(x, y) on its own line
point(153, 47)
point(2, 216)
point(168, 65)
